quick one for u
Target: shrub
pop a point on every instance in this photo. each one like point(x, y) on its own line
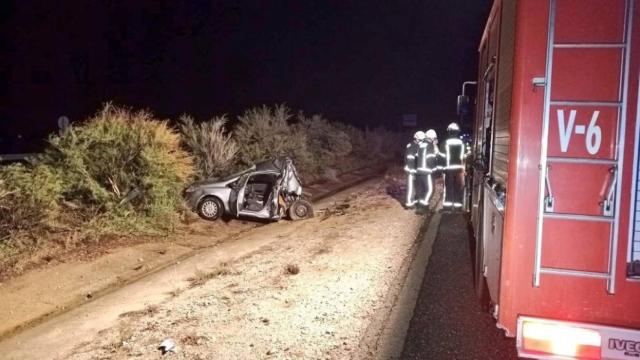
point(123, 171)
point(213, 148)
point(327, 143)
point(369, 146)
point(28, 199)
point(123, 165)
point(385, 144)
point(263, 133)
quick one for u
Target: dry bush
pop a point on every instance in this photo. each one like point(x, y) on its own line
point(327, 143)
point(264, 133)
point(359, 149)
point(212, 146)
point(120, 171)
point(391, 143)
point(370, 146)
point(126, 167)
point(28, 201)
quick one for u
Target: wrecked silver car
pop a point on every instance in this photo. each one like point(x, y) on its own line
point(268, 190)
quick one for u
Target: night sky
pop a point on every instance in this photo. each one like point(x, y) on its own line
point(360, 62)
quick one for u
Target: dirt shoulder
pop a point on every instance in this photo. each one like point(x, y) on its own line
point(305, 289)
point(58, 279)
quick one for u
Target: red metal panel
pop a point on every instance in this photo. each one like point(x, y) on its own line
point(579, 21)
point(586, 74)
point(559, 297)
point(577, 137)
point(579, 188)
point(521, 209)
point(579, 245)
point(573, 299)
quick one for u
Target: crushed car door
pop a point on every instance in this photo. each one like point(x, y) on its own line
point(290, 178)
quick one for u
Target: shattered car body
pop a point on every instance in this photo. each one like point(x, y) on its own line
point(268, 190)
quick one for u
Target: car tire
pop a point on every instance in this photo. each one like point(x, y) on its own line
point(210, 208)
point(300, 209)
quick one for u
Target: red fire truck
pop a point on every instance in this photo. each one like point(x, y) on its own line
point(555, 191)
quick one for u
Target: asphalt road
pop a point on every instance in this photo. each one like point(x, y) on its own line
point(448, 322)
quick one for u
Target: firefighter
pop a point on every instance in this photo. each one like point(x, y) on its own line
point(454, 169)
point(410, 168)
point(427, 164)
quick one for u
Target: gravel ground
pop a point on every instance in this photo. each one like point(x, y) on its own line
point(448, 322)
point(310, 294)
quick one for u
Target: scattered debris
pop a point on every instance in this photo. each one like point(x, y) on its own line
point(322, 249)
point(335, 210)
point(292, 269)
point(89, 296)
point(148, 311)
point(200, 277)
point(175, 292)
point(193, 339)
point(168, 345)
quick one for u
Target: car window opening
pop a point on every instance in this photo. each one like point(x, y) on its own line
point(258, 191)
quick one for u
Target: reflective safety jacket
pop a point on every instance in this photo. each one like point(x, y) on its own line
point(427, 158)
point(411, 157)
point(455, 154)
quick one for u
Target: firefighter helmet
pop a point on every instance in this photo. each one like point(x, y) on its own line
point(431, 135)
point(419, 135)
point(453, 129)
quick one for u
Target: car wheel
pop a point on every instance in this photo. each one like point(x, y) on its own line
point(300, 209)
point(210, 208)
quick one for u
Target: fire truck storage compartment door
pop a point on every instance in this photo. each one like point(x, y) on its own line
point(492, 240)
point(504, 89)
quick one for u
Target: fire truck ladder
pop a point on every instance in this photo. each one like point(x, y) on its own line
point(610, 204)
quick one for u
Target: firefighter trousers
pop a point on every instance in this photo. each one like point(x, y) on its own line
point(425, 182)
point(453, 188)
point(410, 199)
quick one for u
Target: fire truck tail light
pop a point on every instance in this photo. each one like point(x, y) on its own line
point(544, 338)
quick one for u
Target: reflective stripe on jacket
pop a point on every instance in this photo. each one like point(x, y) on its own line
point(455, 153)
point(411, 157)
